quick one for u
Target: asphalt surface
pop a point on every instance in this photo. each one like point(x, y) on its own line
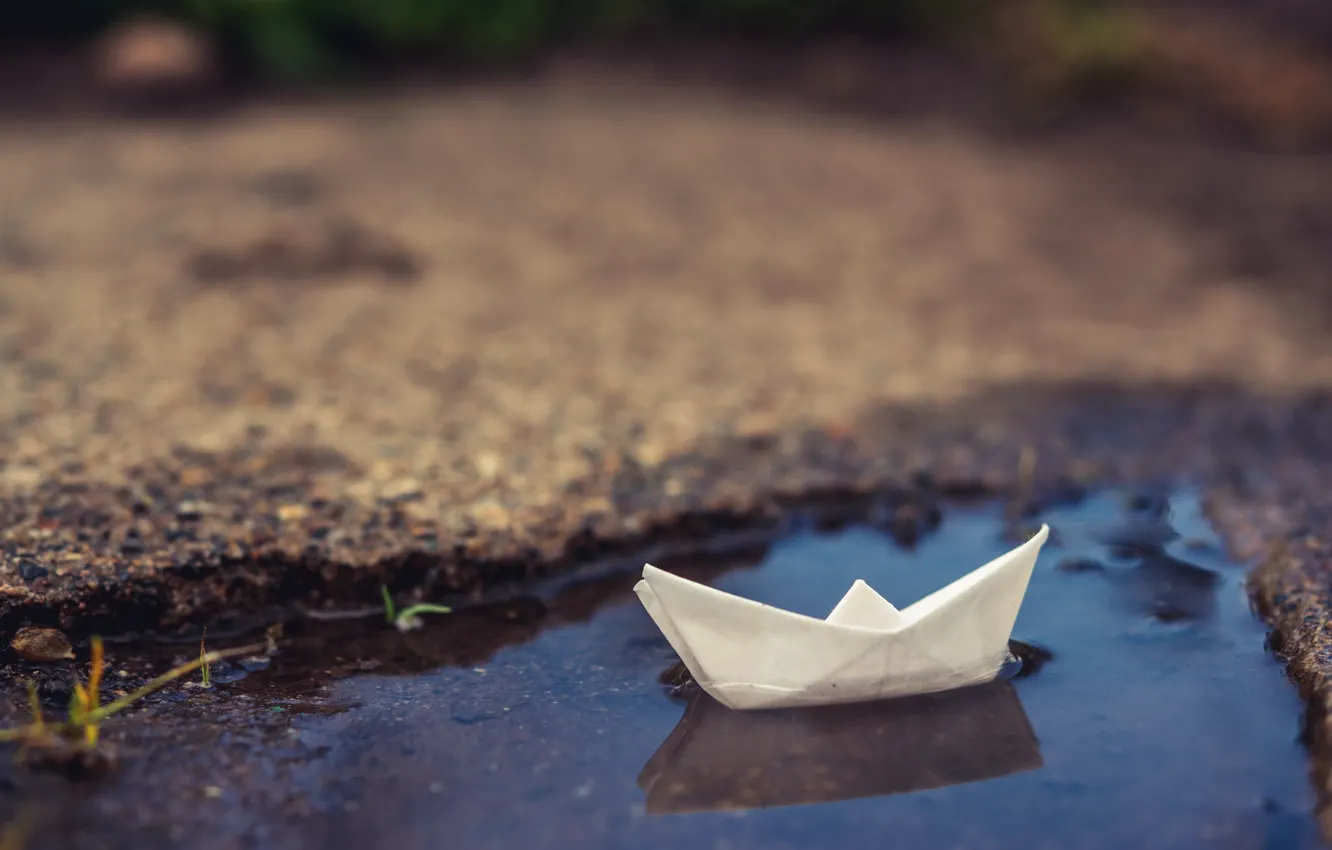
point(457, 338)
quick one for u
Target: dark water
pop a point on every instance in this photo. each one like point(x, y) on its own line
point(1160, 721)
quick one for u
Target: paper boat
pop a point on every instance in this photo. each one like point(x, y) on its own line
point(749, 655)
point(718, 759)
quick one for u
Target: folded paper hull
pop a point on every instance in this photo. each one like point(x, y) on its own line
point(748, 655)
point(718, 759)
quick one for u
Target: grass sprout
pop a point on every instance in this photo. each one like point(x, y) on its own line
point(203, 661)
point(86, 713)
point(408, 618)
point(88, 696)
point(35, 706)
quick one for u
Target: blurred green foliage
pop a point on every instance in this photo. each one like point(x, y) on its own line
point(309, 38)
point(305, 36)
point(1059, 46)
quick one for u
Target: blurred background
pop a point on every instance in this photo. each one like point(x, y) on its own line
point(1262, 65)
point(462, 249)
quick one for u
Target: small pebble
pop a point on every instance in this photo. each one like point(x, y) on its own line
point(401, 489)
point(490, 514)
point(190, 511)
point(31, 570)
point(291, 513)
point(488, 465)
point(150, 53)
point(40, 644)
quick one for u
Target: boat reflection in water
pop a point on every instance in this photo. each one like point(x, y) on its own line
point(717, 758)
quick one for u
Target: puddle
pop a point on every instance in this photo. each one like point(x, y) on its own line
point(1149, 715)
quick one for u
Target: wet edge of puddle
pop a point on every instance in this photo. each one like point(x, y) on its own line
point(256, 700)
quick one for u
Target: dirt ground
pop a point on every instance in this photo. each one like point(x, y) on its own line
point(455, 337)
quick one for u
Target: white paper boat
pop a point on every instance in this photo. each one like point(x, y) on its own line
point(749, 655)
point(718, 759)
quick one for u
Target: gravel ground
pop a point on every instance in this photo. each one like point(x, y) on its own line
point(456, 338)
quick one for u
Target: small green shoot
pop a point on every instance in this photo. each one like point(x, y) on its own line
point(408, 618)
point(203, 661)
point(86, 713)
point(87, 697)
point(35, 706)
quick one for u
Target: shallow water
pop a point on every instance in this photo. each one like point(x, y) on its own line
point(1160, 721)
